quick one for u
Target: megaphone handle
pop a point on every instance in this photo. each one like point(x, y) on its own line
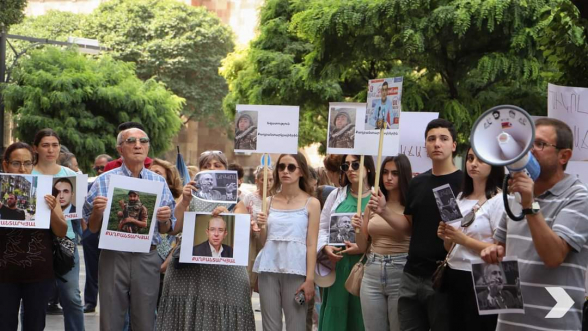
point(505, 200)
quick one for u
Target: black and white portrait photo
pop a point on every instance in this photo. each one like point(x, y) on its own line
point(497, 287)
point(246, 130)
point(216, 186)
point(341, 128)
point(341, 229)
point(447, 204)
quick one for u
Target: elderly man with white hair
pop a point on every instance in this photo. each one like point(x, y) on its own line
point(129, 279)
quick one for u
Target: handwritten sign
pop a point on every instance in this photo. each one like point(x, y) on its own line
point(266, 129)
point(570, 105)
point(412, 139)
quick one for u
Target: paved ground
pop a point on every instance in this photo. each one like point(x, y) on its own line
point(55, 322)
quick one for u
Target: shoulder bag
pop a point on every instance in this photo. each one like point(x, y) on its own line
point(353, 282)
point(63, 256)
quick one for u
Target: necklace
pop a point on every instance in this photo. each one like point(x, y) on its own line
point(365, 191)
point(288, 199)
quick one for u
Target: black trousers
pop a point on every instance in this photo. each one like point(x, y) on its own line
point(462, 304)
point(34, 296)
point(91, 256)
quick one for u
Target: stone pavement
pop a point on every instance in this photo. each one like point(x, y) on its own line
point(55, 322)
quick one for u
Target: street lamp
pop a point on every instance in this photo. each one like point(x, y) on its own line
point(88, 46)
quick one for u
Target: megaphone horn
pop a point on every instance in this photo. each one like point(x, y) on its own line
point(504, 136)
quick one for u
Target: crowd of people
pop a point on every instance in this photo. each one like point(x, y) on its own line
point(400, 233)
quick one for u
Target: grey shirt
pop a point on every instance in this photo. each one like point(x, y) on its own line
point(565, 209)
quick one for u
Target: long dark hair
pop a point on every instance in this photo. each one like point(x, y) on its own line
point(42, 134)
point(493, 182)
point(368, 163)
point(302, 183)
point(404, 175)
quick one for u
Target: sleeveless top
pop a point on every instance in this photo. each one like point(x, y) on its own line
point(284, 251)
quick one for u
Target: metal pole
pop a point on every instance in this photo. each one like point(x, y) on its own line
point(2, 81)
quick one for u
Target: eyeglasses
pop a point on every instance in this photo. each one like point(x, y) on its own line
point(345, 166)
point(210, 152)
point(291, 167)
point(133, 140)
point(99, 168)
point(18, 164)
point(539, 145)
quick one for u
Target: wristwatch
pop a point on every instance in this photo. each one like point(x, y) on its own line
point(535, 208)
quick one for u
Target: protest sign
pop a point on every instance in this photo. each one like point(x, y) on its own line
point(570, 105)
point(71, 192)
point(497, 286)
point(340, 229)
point(130, 216)
point(22, 201)
point(266, 129)
point(217, 186)
point(383, 104)
point(412, 139)
point(223, 239)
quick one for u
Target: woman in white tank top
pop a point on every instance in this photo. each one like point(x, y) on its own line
point(289, 233)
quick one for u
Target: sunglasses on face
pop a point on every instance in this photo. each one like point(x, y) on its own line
point(99, 168)
point(345, 166)
point(133, 140)
point(291, 167)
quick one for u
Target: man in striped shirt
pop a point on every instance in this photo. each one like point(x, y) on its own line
point(550, 243)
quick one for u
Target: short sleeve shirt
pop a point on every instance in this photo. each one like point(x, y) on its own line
point(565, 209)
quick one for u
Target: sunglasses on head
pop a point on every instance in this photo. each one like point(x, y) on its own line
point(345, 166)
point(291, 167)
point(210, 152)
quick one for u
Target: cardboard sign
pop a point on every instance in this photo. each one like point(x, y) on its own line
point(129, 219)
point(71, 193)
point(266, 129)
point(570, 105)
point(412, 139)
point(223, 239)
point(22, 201)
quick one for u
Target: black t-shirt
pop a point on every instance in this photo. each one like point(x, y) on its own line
point(425, 247)
point(11, 214)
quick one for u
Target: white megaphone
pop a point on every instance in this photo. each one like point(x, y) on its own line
point(503, 136)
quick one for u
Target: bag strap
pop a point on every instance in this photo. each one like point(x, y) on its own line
point(367, 250)
point(449, 253)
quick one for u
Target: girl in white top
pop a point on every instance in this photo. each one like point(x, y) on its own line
point(289, 233)
point(481, 205)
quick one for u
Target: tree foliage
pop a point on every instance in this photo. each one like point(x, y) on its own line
point(84, 100)
point(11, 12)
point(458, 57)
point(178, 44)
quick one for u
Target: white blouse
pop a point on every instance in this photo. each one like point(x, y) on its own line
point(482, 229)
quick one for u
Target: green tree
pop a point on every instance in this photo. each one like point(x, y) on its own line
point(459, 57)
point(84, 100)
point(272, 71)
point(180, 45)
point(11, 12)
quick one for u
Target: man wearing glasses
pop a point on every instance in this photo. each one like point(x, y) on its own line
point(129, 279)
point(214, 247)
point(550, 242)
point(100, 163)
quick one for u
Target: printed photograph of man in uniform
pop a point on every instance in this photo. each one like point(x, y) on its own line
point(213, 247)
point(342, 128)
point(64, 188)
point(131, 211)
point(246, 130)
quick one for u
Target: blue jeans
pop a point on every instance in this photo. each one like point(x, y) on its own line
point(379, 291)
point(70, 298)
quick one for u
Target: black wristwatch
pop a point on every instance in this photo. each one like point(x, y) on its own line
point(535, 208)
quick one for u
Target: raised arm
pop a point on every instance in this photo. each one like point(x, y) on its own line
point(399, 222)
point(182, 206)
point(57, 221)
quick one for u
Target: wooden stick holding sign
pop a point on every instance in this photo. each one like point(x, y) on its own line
point(379, 162)
point(265, 160)
point(360, 189)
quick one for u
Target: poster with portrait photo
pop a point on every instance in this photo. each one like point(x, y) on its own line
point(352, 138)
point(71, 192)
point(383, 104)
point(246, 130)
point(22, 201)
point(447, 204)
point(216, 186)
point(340, 229)
point(223, 239)
point(497, 287)
point(130, 215)
point(276, 129)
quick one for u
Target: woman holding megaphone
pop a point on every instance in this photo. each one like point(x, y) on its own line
point(482, 208)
